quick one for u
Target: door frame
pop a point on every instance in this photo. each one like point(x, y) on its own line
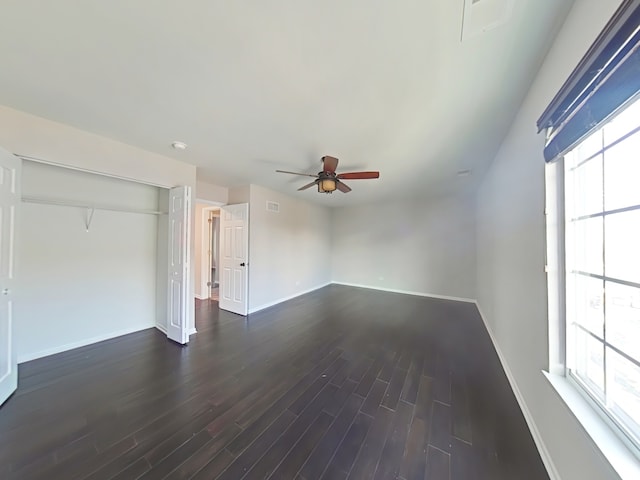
point(204, 247)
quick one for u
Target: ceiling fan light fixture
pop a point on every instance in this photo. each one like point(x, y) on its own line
point(327, 185)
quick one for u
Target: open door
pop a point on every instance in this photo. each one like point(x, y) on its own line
point(9, 203)
point(234, 263)
point(179, 258)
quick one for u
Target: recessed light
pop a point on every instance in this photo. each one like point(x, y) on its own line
point(179, 145)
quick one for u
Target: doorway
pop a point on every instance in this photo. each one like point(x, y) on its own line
point(213, 281)
point(222, 255)
point(207, 242)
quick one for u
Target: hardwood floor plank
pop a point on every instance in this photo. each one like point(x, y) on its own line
point(440, 433)
point(215, 466)
point(369, 377)
point(438, 467)
point(369, 455)
point(391, 456)
point(415, 453)
point(324, 451)
point(392, 395)
point(301, 450)
point(371, 403)
point(390, 362)
point(178, 456)
point(424, 400)
point(200, 458)
point(350, 445)
point(134, 470)
point(442, 384)
point(341, 396)
point(274, 455)
point(309, 394)
point(460, 414)
point(334, 473)
point(360, 368)
point(322, 386)
point(412, 383)
point(241, 465)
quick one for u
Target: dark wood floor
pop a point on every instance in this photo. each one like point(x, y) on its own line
point(341, 383)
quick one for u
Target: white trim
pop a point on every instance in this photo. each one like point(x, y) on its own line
point(613, 448)
point(192, 331)
point(200, 297)
point(284, 299)
point(533, 428)
point(80, 343)
point(407, 292)
point(87, 170)
point(162, 328)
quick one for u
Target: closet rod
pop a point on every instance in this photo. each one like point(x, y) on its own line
point(71, 203)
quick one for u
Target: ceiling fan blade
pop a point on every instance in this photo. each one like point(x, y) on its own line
point(359, 175)
point(330, 163)
point(296, 173)
point(308, 185)
point(343, 187)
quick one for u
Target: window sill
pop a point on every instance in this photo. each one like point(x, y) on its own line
point(621, 459)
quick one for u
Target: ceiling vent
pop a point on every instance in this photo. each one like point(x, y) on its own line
point(479, 16)
point(273, 207)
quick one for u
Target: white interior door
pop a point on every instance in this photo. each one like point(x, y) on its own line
point(9, 203)
point(179, 258)
point(234, 259)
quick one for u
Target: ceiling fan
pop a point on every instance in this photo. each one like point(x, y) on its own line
point(328, 180)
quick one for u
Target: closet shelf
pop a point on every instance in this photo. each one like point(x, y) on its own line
point(89, 206)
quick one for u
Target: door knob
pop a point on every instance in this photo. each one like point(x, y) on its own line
point(242, 264)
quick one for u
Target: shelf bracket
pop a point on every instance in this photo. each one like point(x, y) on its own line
point(90, 212)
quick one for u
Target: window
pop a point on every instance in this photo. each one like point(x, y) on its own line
point(602, 251)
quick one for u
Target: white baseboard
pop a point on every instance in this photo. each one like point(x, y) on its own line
point(407, 292)
point(200, 297)
point(80, 343)
point(163, 329)
point(284, 299)
point(533, 428)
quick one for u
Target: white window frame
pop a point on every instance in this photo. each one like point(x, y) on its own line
point(617, 447)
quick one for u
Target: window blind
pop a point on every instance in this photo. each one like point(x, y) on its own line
point(605, 80)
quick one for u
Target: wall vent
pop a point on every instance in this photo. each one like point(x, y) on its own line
point(273, 207)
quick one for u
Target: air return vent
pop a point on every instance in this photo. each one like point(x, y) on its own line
point(273, 207)
point(480, 16)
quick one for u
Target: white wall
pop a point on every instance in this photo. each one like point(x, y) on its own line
point(511, 279)
point(290, 251)
point(420, 246)
point(211, 193)
point(239, 194)
point(76, 286)
point(25, 134)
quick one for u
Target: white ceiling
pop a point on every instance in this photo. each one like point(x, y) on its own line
point(252, 86)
